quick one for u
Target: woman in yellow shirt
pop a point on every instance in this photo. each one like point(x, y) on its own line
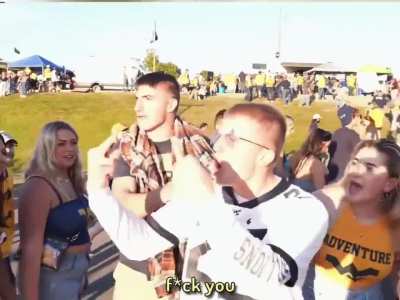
point(358, 252)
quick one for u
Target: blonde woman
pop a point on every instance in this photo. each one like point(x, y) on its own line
point(53, 205)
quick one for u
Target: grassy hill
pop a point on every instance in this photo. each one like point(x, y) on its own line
point(92, 115)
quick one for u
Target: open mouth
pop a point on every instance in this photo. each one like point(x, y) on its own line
point(354, 187)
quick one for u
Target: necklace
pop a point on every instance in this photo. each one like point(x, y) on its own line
point(62, 180)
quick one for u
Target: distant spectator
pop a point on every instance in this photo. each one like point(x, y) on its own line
point(344, 141)
point(270, 83)
point(380, 99)
point(13, 83)
point(395, 123)
point(41, 84)
point(22, 79)
point(33, 82)
point(316, 119)
point(371, 132)
point(8, 83)
point(242, 82)
point(3, 84)
point(358, 124)
point(250, 86)
point(28, 72)
point(47, 78)
point(213, 88)
point(307, 169)
point(194, 94)
point(202, 92)
point(293, 86)
point(284, 88)
point(299, 81)
point(221, 87)
point(394, 89)
point(55, 80)
point(321, 84)
point(184, 81)
point(345, 113)
point(335, 89)
point(377, 115)
point(308, 90)
point(260, 83)
point(351, 84)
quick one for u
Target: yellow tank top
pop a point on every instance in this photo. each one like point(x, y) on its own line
point(6, 185)
point(355, 255)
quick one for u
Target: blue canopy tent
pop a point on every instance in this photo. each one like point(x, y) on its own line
point(34, 62)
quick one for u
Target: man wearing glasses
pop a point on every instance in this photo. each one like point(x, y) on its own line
point(242, 223)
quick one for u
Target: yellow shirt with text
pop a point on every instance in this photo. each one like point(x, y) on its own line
point(355, 255)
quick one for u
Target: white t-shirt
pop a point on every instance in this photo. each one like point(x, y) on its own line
point(263, 246)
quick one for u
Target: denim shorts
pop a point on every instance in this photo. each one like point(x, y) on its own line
point(68, 281)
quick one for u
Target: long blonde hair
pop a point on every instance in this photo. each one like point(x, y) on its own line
point(43, 161)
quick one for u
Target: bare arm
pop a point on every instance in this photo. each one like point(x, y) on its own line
point(318, 174)
point(141, 204)
point(33, 211)
point(95, 230)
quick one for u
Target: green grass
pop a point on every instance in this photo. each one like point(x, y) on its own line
point(93, 115)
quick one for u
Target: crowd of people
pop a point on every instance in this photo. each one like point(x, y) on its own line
point(272, 86)
point(316, 224)
point(28, 81)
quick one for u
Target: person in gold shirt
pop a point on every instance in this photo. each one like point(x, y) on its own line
point(351, 84)
point(7, 221)
point(270, 83)
point(377, 115)
point(321, 84)
point(300, 82)
point(358, 253)
point(260, 82)
point(47, 77)
point(184, 80)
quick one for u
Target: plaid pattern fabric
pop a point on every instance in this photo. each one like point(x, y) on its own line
point(6, 215)
point(140, 153)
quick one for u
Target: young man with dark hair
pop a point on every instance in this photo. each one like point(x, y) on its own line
point(240, 222)
point(141, 176)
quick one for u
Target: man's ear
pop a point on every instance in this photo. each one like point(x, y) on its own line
point(172, 105)
point(266, 157)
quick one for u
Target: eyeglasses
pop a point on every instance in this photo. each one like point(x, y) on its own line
point(231, 138)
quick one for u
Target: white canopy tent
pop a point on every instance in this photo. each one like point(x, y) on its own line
point(331, 68)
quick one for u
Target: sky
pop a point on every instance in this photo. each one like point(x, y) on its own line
point(221, 37)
